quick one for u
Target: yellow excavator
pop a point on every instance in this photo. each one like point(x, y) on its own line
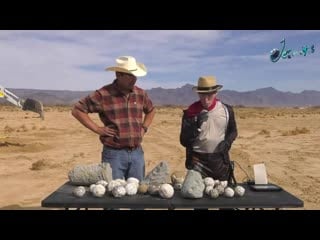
point(25, 104)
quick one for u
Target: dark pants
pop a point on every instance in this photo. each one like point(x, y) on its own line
point(211, 165)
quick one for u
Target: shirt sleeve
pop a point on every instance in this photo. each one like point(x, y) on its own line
point(91, 103)
point(147, 105)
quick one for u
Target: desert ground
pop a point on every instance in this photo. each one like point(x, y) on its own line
point(36, 155)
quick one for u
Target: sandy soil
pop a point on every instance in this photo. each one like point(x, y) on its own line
point(36, 155)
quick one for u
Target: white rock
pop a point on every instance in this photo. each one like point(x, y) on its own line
point(118, 191)
point(216, 182)
point(208, 189)
point(154, 189)
point(79, 191)
point(131, 188)
point(133, 180)
point(92, 186)
point(239, 191)
point(224, 184)
point(98, 190)
point(220, 189)
point(208, 181)
point(102, 182)
point(166, 191)
point(121, 181)
point(135, 183)
point(214, 193)
point(228, 192)
point(113, 184)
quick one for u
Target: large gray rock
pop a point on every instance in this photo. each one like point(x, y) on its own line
point(158, 175)
point(90, 174)
point(193, 185)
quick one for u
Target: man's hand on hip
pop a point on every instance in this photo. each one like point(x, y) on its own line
point(106, 131)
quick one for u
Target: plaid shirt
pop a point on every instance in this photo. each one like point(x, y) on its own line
point(118, 112)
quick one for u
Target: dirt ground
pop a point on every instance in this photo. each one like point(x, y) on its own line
point(36, 155)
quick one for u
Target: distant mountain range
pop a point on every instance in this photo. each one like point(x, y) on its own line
point(183, 96)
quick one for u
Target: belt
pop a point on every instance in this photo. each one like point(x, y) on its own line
point(129, 149)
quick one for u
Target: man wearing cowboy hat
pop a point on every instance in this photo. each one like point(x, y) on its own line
point(121, 106)
point(207, 132)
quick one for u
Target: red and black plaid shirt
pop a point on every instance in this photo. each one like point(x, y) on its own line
point(118, 112)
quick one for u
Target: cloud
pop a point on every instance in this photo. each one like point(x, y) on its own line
point(75, 60)
point(59, 59)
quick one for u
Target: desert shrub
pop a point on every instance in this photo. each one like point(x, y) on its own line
point(23, 128)
point(296, 131)
point(264, 132)
point(38, 165)
point(8, 129)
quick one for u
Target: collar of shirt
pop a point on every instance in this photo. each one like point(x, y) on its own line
point(197, 107)
point(116, 91)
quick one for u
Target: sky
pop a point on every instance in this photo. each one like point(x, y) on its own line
point(240, 60)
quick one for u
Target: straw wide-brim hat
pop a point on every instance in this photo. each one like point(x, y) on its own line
point(128, 64)
point(207, 84)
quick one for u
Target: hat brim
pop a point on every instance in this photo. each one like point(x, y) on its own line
point(140, 71)
point(211, 90)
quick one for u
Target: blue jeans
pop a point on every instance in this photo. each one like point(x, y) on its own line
point(125, 163)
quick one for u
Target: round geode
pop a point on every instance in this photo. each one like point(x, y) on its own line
point(102, 182)
point(239, 191)
point(220, 189)
point(166, 191)
point(131, 188)
point(119, 191)
point(98, 190)
point(208, 181)
point(143, 188)
point(113, 184)
point(224, 183)
point(121, 181)
point(79, 191)
point(133, 180)
point(228, 192)
point(214, 193)
point(153, 189)
point(208, 189)
point(92, 186)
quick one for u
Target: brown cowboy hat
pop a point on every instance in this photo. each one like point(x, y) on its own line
point(207, 84)
point(128, 64)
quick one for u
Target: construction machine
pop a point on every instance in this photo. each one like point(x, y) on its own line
point(25, 104)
